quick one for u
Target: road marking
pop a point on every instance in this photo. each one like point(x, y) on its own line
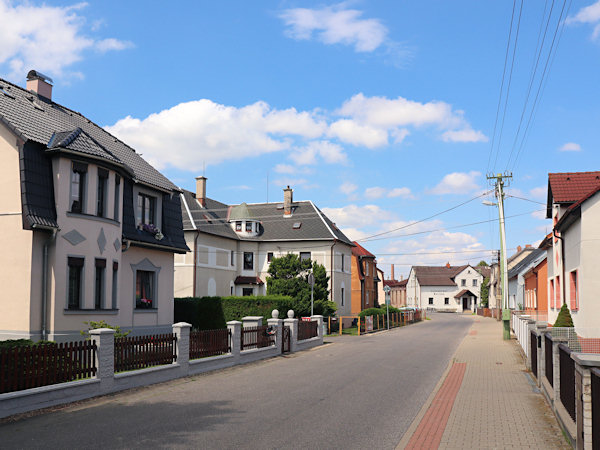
point(431, 428)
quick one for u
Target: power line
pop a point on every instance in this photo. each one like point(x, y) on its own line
point(526, 199)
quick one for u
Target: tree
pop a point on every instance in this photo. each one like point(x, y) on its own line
point(289, 276)
point(564, 318)
point(482, 263)
point(485, 292)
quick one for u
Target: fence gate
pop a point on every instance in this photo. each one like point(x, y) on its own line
point(285, 341)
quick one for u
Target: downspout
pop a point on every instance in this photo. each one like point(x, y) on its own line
point(194, 254)
point(44, 284)
point(562, 257)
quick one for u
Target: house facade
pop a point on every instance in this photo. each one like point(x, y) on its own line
point(573, 258)
point(397, 292)
point(89, 227)
point(444, 288)
point(536, 289)
point(516, 278)
point(232, 245)
point(364, 279)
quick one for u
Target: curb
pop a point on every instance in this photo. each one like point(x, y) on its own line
point(417, 420)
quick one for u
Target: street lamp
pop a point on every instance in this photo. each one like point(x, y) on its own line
point(387, 290)
point(311, 281)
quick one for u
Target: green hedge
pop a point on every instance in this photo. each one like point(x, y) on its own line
point(210, 313)
point(377, 311)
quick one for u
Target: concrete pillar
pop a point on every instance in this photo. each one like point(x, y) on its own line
point(529, 327)
point(556, 340)
point(182, 347)
point(583, 396)
point(105, 357)
point(319, 320)
point(235, 327)
point(252, 321)
point(293, 324)
point(541, 331)
point(278, 325)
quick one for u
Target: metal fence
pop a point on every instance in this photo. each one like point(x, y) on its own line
point(567, 379)
point(139, 352)
point(579, 339)
point(307, 329)
point(549, 363)
point(595, 408)
point(533, 347)
point(209, 343)
point(45, 364)
point(256, 337)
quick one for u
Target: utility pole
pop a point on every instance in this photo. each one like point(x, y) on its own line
point(500, 181)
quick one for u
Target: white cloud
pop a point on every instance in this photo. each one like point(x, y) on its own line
point(588, 14)
point(541, 214)
point(285, 168)
point(466, 135)
point(358, 216)
point(335, 25)
point(375, 192)
point(570, 147)
point(400, 192)
point(457, 183)
point(540, 192)
point(348, 188)
point(350, 132)
point(47, 38)
point(330, 152)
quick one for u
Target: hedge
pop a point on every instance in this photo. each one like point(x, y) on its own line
point(377, 311)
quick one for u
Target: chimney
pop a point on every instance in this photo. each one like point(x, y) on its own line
point(448, 264)
point(401, 277)
point(288, 198)
point(519, 248)
point(40, 84)
point(528, 246)
point(393, 272)
point(201, 190)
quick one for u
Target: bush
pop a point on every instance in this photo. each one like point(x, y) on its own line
point(205, 313)
point(92, 325)
point(564, 317)
point(382, 310)
point(14, 343)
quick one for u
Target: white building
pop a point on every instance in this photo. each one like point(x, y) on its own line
point(444, 288)
point(232, 245)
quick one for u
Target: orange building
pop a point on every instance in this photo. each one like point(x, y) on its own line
point(364, 279)
point(536, 289)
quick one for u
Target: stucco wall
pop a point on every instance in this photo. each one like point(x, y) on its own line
point(589, 281)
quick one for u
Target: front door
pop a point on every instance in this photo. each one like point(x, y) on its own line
point(465, 303)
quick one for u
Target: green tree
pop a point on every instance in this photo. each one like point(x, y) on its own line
point(482, 263)
point(485, 292)
point(564, 318)
point(289, 276)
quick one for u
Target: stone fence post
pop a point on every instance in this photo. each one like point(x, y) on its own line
point(252, 321)
point(556, 341)
point(105, 357)
point(182, 347)
point(319, 320)
point(277, 323)
point(529, 327)
point(541, 328)
point(235, 328)
point(293, 324)
point(584, 362)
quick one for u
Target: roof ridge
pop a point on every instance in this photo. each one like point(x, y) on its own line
point(319, 214)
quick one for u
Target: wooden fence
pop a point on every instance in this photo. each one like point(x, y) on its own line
point(256, 337)
point(209, 343)
point(307, 330)
point(139, 352)
point(49, 363)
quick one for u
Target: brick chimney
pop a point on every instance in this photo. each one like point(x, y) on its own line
point(201, 190)
point(288, 198)
point(528, 246)
point(393, 272)
point(448, 264)
point(40, 84)
point(519, 248)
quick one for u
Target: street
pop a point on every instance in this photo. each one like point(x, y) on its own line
point(355, 392)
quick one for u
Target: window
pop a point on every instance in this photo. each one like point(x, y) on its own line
point(257, 226)
point(304, 256)
point(446, 301)
point(431, 300)
point(144, 289)
point(101, 191)
point(342, 262)
point(474, 283)
point(366, 267)
point(115, 284)
point(463, 282)
point(342, 302)
point(75, 266)
point(231, 290)
point(269, 257)
point(238, 226)
point(248, 227)
point(146, 209)
point(558, 293)
point(367, 298)
point(99, 285)
point(247, 292)
point(232, 258)
point(78, 175)
point(573, 291)
point(248, 261)
point(117, 197)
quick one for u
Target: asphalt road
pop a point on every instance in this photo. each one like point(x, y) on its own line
point(357, 392)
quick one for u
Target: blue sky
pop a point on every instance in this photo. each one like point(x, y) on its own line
point(383, 113)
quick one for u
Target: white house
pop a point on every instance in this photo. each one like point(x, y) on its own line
point(232, 245)
point(444, 288)
point(574, 256)
point(89, 228)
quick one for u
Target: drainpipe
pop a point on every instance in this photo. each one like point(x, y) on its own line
point(194, 254)
point(45, 282)
point(562, 257)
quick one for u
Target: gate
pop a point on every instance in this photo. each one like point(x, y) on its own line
point(285, 340)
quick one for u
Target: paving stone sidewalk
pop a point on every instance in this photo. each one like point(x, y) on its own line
point(498, 406)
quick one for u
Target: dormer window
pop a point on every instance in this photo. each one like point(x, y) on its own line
point(248, 227)
point(146, 209)
point(78, 183)
point(238, 225)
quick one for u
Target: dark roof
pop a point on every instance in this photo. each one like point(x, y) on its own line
point(248, 280)
point(485, 271)
point(437, 275)
point(359, 250)
point(463, 292)
point(531, 257)
point(213, 219)
point(395, 283)
point(569, 187)
point(38, 119)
